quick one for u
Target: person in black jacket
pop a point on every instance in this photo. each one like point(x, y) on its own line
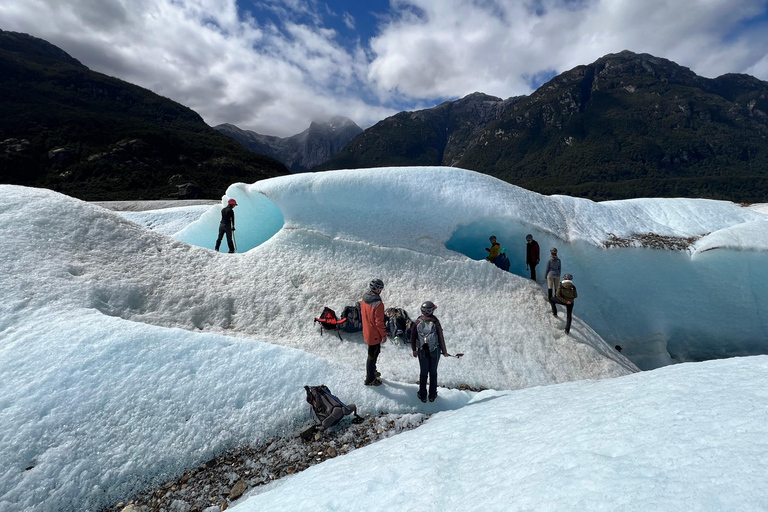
point(227, 225)
point(427, 344)
point(531, 254)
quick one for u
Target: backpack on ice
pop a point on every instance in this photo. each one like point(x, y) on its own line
point(326, 409)
point(427, 331)
point(353, 317)
point(330, 322)
point(398, 324)
point(502, 261)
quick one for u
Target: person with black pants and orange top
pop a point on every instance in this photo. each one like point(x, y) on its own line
point(374, 329)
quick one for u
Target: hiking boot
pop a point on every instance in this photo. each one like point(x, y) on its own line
point(567, 331)
point(231, 252)
point(420, 398)
point(374, 382)
point(432, 398)
point(378, 374)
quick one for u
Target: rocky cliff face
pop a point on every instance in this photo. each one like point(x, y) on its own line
point(627, 125)
point(302, 151)
point(435, 136)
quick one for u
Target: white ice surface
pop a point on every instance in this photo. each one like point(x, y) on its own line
point(692, 305)
point(690, 437)
point(751, 235)
point(127, 356)
point(167, 220)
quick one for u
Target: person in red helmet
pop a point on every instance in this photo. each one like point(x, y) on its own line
point(227, 225)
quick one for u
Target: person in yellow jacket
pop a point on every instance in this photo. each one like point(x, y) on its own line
point(493, 252)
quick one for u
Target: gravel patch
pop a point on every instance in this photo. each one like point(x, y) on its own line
point(212, 486)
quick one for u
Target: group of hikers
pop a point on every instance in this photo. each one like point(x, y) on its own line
point(559, 291)
point(426, 337)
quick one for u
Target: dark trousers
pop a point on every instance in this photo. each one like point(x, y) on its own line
point(370, 364)
point(428, 363)
point(228, 230)
point(568, 311)
point(533, 270)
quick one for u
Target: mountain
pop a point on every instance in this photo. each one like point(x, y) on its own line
point(302, 151)
point(627, 125)
point(435, 136)
point(91, 136)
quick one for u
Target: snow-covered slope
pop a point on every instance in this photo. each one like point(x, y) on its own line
point(685, 437)
point(693, 304)
point(127, 355)
point(102, 394)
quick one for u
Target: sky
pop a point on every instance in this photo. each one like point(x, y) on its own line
point(274, 66)
point(129, 354)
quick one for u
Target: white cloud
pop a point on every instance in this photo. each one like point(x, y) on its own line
point(349, 20)
point(275, 76)
point(209, 57)
point(449, 48)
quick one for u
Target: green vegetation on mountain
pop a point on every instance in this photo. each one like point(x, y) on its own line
point(625, 126)
point(91, 136)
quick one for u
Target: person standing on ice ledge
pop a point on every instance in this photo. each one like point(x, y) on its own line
point(427, 343)
point(566, 294)
point(531, 254)
point(374, 329)
point(493, 252)
point(552, 272)
point(227, 225)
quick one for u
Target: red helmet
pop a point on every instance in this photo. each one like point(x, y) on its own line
point(232, 202)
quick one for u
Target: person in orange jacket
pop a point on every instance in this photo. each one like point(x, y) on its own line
point(374, 329)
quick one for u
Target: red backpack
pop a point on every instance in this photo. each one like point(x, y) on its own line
point(330, 322)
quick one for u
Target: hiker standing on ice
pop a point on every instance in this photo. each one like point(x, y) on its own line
point(227, 225)
point(427, 344)
point(566, 294)
point(554, 265)
point(493, 252)
point(374, 329)
point(531, 254)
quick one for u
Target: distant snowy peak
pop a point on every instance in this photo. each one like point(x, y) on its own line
point(303, 151)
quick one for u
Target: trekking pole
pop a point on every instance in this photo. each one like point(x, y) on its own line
point(234, 240)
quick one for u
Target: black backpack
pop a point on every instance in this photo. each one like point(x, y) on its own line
point(398, 324)
point(330, 322)
point(353, 317)
point(323, 402)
